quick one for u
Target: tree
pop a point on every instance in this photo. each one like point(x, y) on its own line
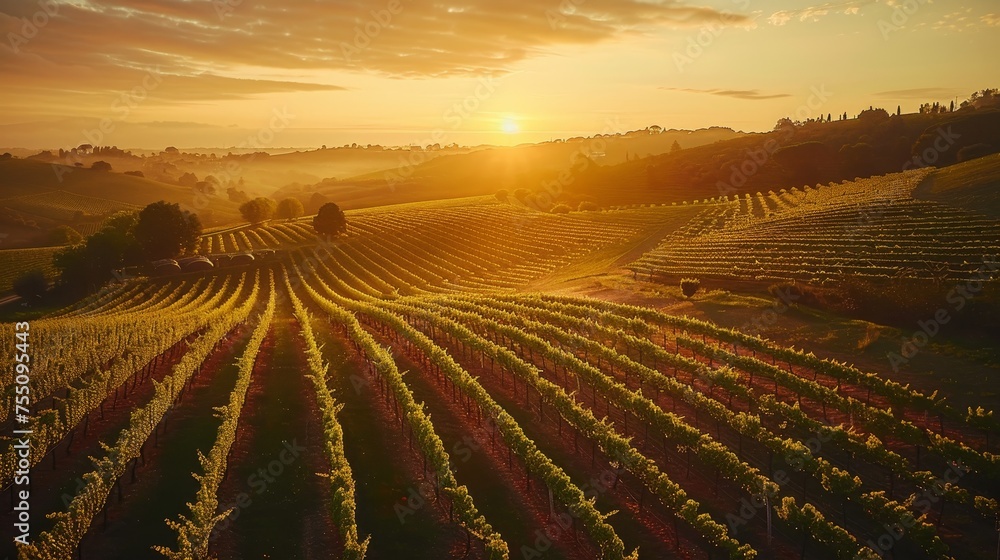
point(808, 162)
point(330, 220)
point(237, 196)
point(31, 285)
point(164, 231)
point(859, 160)
point(873, 115)
point(205, 187)
point(587, 206)
point(502, 195)
point(257, 210)
point(689, 286)
point(64, 235)
point(974, 151)
point(561, 209)
point(289, 208)
point(86, 266)
point(187, 180)
point(100, 166)
point(784, 123)
point(675, 147)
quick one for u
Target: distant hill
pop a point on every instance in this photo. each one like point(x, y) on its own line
point(429, 175)
point(37, 196)
point(797, 155)
point(341, 163)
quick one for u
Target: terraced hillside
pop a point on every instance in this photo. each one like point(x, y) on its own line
point(451, 413)
point(871, 229)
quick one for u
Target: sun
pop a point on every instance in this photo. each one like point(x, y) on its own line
point(510, 126)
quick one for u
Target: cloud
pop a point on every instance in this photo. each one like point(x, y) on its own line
point(919, 93)
point(421, 38)
point(815, 13)
point(748, 94)
point(992, 20)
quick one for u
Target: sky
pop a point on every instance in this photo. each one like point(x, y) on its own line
point(306, 73)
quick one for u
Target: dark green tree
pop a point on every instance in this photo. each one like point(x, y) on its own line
point(31, 285)
point(64, 235)
point(257, 210)
point(289, 209)
point(164, 231)
point(330, 220)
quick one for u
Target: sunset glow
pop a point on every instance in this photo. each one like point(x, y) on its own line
point(210, 73)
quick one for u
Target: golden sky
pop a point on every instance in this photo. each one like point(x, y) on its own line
point(219, 73)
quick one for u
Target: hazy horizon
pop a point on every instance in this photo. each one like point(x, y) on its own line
point(392, 73)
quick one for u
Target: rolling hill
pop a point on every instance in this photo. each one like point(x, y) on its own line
point(37, 196)
point(974, 185)
point(424, 175)
point(806, 154)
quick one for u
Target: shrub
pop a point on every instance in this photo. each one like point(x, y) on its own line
point(502, 195)
point(31, 285)
point(974, 151)
point(257, 210)
point(587, 206)
point(561, 209)
point(64, 235)
point(690, 286)
point(289, 208)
